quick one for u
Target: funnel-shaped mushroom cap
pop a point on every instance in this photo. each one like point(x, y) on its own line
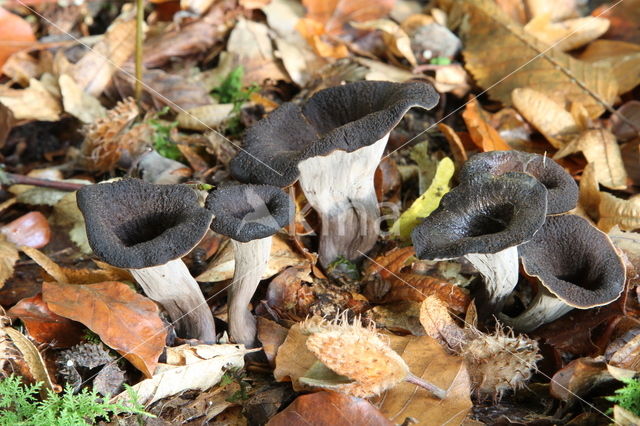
point(575, 261)
point(486, 216)
point(249, 212)
point(562, 190)
point(347, 118)
point(133, 224)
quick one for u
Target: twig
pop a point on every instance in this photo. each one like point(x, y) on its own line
point(435, 390)
point(14, 179)
point(139, 36)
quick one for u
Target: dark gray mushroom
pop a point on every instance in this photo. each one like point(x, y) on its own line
point(147, 228)
point(249, 215)
point(485, 221)
point(562, 190)
point(577, 266)
point(332, 144)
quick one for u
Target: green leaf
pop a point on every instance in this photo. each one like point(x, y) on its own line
point(426, 203)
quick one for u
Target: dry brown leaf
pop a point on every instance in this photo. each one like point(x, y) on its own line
point(31, 229)
point(125, 320)
point(78, 103)
point(271, 335)
point(334, 14)
point(589, 191)
point(21, 67)
point(15, 34)
point(578, 377)
point(439, 324)
point(394, 37)
point(44, 326)
point(485, 137)
point(455, 144)
point(324, 408)
point(8, 257)
point(452, 79)
point(293, 358)
point(502, 57)
point(33, 103)
point(254, 4)
point(204, 117)
point(621, 129)
point(282, 256)
point(67, 214)
point(557, 10)
point(426, 359)
point(550, 118)
point(628, 356)
point(32, 357)
point(567, 35)
point(93, 72)
point(188, 367)
point(622, 57)
point(616, 211)
point(624, 19)
point(600, 147)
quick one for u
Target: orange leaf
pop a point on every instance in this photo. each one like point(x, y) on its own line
point(43, 325)
point(329, 408)
point(334, 14)
point(15, 34)
point(482, 134)
point(125, 320)
point(31, 230)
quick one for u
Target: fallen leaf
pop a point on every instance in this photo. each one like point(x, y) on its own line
point(334, 14)
point(7, 121)
point(15, 34)
point(293, 358)
point(381, 71)
point(44, 326)
point(569, 34)
point(125, 320)
point(589, 191)
point(394, 37)
point(93, 72)
point(485, 137)
point(628, 356)
point(557, 10)
point(426, 203)
point(455, 144)
point(33, 103)
point(204, 117)
point(188, 367)
point(78, 103)
point(8, 257)
point(427, 360)
point(501, 57)
point(621, 129)
point(624, 18)
point(452, 78)
point(555, 123)
point(271, 335)
point(21, 67)
point(616, 211)
point(33, 358)
point(624, 417)
point(36, 195)
point(438, 323)
point(67, 214)
point(31, 230)
point(400, 317)
point(622, 57)
point(332, 408)
point(578, 377)
point(282, 256)
point(599, 146)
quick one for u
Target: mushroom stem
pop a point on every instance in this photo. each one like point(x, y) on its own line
point(500, 273)
point(339, 186)
point(544, 308)
point(251, 259)
point(173, 287)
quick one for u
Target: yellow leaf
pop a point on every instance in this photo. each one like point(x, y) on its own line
point(616, 211)
point(8, 257)
point(567, 35)
point(427, 202)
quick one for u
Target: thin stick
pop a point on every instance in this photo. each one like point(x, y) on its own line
point(139, 37)
point(13, 179)
point(435, 390)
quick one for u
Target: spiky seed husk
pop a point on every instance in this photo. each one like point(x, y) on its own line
point(500, 362)
point(358, 353)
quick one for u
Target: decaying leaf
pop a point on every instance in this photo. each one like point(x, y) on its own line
point(31, 230)
point(439, 324)
point(93, 72)
point(67, 214)
point(282, 256)
point(600, 147)
point(204, 117)
point(482, 134)
point(44, 326)
point(569, 34)
point(188, 367)
point(32, 357)
point(15, 32)
point(33, 103)
point(616, 211)
point(426, 203)
point(332, 408)
point(78, 103)
point(334, 14)
point(550, 118)
point(396, 40)
point(578, 377)
point(622, 57)
point(125, 320)
point(501, 56)
point(8, 257)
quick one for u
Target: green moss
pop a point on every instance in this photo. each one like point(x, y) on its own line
point(628, 396)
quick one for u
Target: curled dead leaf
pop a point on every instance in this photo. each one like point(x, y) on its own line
point(485, 137)
point(616, 211)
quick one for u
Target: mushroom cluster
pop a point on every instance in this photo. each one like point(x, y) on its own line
point(332, 144)
point(513, 206)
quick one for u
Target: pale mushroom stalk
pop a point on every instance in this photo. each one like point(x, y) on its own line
point(249, 215)
point(251, 259)
point(340, 187)
point(543, 309)
point(500, 273)
point(173, 287)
